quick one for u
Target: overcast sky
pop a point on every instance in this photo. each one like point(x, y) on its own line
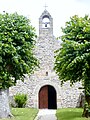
point(60, 10)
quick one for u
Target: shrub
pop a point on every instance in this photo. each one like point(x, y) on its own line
point(20, 100)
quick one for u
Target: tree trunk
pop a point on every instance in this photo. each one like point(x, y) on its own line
point(4, 104)
point(86, 112)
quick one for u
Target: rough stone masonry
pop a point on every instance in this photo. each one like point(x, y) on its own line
point(44, 79)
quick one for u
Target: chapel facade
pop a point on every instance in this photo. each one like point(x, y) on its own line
point(43, 87)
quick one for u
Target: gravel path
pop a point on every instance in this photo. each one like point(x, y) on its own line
point(46, 114)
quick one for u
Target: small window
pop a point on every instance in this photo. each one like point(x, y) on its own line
point(46, 73)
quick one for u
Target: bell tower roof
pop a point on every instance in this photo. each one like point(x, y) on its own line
point(45, 23)
point(45, 13)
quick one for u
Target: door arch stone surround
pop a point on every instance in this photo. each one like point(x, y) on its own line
point(40, 85)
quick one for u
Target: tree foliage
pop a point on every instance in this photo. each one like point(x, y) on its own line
point(73, 58)
point(17, 40)
point(73, 61)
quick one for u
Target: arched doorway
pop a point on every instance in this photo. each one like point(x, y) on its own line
point(47, 97)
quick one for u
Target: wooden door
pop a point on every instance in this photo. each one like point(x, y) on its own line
point(43, 97)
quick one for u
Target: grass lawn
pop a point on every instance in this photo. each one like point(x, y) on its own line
point(23, 114)
point(70, 114)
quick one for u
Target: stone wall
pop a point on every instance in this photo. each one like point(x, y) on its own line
point(66, 96)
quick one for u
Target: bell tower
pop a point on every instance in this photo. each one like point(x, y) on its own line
point(46, 42)
point(45, 23)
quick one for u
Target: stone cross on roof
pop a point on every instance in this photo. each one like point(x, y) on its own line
point(45, 6)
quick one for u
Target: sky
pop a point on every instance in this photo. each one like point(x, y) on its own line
point(60, 10)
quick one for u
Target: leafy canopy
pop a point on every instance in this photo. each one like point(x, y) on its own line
point(17, 40)
point(73, 58)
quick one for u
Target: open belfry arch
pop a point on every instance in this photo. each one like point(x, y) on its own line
point(44, 81)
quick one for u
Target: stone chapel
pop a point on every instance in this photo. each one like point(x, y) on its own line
point(43, 87)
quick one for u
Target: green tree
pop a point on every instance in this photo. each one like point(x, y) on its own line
point(73, 58)
point(17, 41)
